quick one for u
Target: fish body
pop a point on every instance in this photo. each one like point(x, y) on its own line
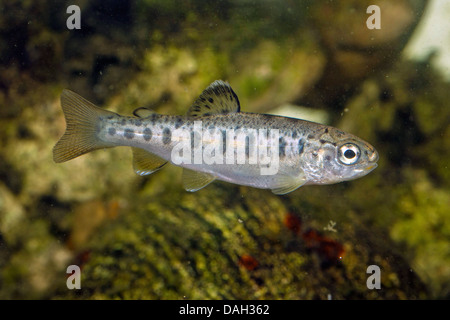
point(215, 140)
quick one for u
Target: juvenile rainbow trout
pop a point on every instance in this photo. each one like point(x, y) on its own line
point(215, 140)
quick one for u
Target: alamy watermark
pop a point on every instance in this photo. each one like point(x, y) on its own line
point(374, 280)
point(231, 146)
point(74, 20)
point(374, 21)
point(74, 280)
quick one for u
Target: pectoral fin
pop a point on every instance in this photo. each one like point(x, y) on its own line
point(195, 180)
point(285, 182)
point(145, 163)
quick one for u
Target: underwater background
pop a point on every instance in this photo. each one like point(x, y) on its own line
point(146, 237)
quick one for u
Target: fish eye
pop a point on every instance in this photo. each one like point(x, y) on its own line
point(349, 153)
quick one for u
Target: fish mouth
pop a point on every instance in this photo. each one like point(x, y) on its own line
point(362, 171)
point(370, 167)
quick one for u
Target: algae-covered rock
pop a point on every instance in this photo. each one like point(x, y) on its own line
point(225, 242)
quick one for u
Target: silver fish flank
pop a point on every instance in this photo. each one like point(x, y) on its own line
point(216, 141)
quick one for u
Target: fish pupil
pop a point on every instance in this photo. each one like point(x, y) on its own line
point(349, 154)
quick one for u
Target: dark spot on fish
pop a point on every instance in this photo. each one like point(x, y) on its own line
point(314, 154)
point(129, 133)
point(211, 100)
point(310, 136)
point(110, 117)
point(339, 133)
point(326, 130)
point(207, 107)
point(247, 146)
point(294, 135)
point(112, 131)
point(123, 122)
point(282, 147)
point(196, 140)
point(301, 146)
point(178, 123)
point(138, 122)
point(327, 158)
point(147, 134)
point(322, 141)
point(203, 99)
point(224, 141)
point(167, 136)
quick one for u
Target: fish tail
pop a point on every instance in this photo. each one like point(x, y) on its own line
point(82, 119)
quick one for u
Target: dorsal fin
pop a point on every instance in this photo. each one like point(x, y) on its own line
point(218, 98)
point(196, 180)
point(145, 162)
point(143, 112)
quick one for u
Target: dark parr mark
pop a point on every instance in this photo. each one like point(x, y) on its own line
point(247, 147)
point(211, 100)
point(129, 133)
point(192, 139)
point(224, 141)
point(178, 123)
point(301, 146)
point(147, 134)
point(282, 149)
point(167, 136)
point(112, 131)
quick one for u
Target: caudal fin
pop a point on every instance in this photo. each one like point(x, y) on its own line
point(82, 119)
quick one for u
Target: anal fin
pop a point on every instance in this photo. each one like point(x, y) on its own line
point(195, 180)
point(145, 163)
